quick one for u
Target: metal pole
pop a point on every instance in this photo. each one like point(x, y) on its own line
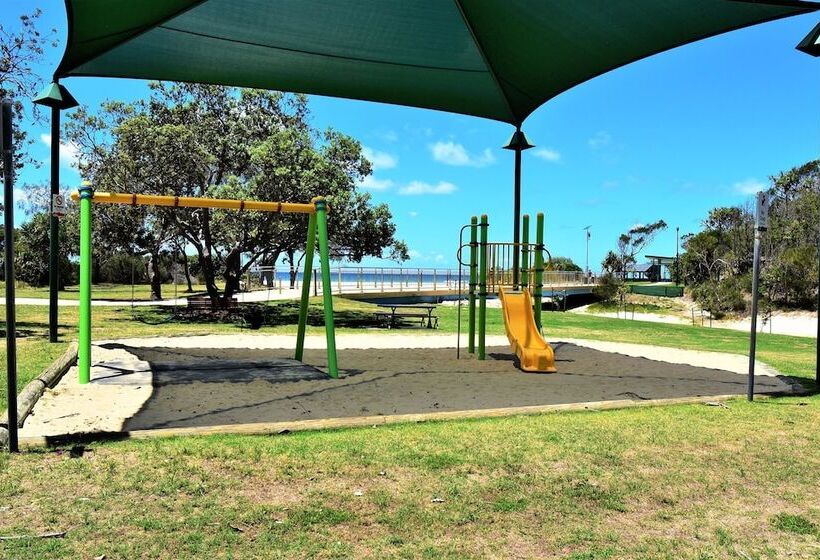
point(11, 320)
point(324, 257)
point(517, 217)
point(473, 279)
point(54, 229)
point(677, 255)
point(817, 340)
point(482, 288)
point(310, 248)
point(525, 240)
point(84, 351)
point(761, 223)
point(539, 266)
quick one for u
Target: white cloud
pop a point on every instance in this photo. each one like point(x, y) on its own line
point(371, 183)
point(413, 213)
point(380, 160)
point(599, 140)
point(439, 258)
point(548, 154)
point(69, 153)
point(610, 184)
point(749, 186)
point(452, 153)
point(420, 187)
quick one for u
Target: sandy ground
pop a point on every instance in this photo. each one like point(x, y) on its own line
point(216, 380)
point(794, 323)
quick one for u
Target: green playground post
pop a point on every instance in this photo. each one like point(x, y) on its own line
point(84, 350)
point(473, 279)
point(310, 248)
point(525, 240)
point(324, 257)
point(539, 267)
point(482, 288)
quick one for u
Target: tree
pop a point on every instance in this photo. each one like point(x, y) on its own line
point(20, 50)
point(564, 264)
point(210, 141)
point(631, 243)
point(31, 252)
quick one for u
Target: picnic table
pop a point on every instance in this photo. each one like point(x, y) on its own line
point(403, 311)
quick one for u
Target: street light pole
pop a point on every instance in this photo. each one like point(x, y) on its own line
point(677, 255)
point(588, 235)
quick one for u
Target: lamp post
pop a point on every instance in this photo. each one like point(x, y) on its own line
point(59, 99)
point(518, 142)
point(677, 255)
point(587, 236)
point(811, 45)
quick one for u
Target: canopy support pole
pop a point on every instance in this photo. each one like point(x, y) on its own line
point(58, 98)
point(811, 46)
point(54, 229)
point(518, 143)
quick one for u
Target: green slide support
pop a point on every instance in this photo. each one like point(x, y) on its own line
point(482, 288)
point(539, 267)
point(310, 248)
point(473, 279)
point(324, 256)
point(525, 260)
point(84, 351)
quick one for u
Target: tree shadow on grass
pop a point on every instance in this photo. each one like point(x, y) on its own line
point(255, 316)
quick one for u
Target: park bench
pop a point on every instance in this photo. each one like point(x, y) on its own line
point(204, 302)
point(402, 315)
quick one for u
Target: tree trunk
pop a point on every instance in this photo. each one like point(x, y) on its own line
point(292, 269)
point(187, 272)
point(232, 272)
point(206, 259)
point(154, 277)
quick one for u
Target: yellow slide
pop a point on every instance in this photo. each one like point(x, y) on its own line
point(527, 343)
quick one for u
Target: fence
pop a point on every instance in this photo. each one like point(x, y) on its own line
point(364, 280)
point(660, 291)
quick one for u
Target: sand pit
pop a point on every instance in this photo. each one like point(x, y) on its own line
point(196, 382)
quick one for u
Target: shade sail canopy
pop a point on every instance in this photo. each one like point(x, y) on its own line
point(499, 59)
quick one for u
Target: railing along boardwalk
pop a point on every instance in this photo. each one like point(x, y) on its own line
point(378, 280)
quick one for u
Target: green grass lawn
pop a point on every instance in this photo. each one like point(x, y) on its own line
point(676, 482)
point(116, 292)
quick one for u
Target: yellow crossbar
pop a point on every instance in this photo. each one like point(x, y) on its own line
point(193, 202)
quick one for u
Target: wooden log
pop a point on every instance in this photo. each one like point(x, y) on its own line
point(32, 392)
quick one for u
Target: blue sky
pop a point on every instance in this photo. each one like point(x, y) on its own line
point(667, 138)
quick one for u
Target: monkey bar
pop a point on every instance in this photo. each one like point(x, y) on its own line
point(317, 227)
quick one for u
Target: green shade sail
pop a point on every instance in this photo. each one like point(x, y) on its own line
point(498, 59)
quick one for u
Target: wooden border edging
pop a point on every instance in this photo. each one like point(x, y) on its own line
point(35, 388)
point(273, 428)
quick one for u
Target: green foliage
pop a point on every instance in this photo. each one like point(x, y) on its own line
point(31, 253)
point(21, 49)
point(563, 264)
point(609, 287)
point(717, 262)
point(211, 141)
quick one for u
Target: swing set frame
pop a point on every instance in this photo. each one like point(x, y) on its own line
point(316, 210)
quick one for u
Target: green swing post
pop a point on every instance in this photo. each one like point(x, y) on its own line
point(324, 257)
point(84, 351)
point(525, 240)
point(539, 267)
point(473, 279)
point(310, 248)
point(482, 288)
